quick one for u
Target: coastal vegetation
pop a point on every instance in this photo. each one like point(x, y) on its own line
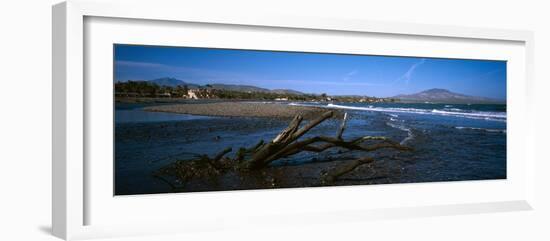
point(147, 89)
point(175, 89)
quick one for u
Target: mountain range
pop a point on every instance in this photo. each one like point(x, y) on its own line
point(173, 82)
point(445, 96)
point(435, 95)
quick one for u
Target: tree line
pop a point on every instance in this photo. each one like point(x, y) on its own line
point(148, 89)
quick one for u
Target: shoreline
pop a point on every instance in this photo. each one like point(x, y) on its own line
point(243, 109)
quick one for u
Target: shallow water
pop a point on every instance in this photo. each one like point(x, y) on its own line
point(451, 142)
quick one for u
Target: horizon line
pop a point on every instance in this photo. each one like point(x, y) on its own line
point(364, 95)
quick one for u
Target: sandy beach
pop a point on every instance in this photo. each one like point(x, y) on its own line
point(242, 109)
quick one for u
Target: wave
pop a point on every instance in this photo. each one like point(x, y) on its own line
point(302, 104)
point(485, 115)
point(474, 114)
point(480, 129)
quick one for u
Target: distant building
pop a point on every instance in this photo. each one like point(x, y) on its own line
point(192, 94)
point(164, 95)
point(283, 99)
point(201, 93)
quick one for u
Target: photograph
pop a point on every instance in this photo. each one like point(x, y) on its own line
point(196, 119)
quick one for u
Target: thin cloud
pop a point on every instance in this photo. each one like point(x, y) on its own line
point(408, 75)
point(123, 63)
point(181, 72)
point(316, 86)
point(288, 82)
point(348, 76)
point(209, 76)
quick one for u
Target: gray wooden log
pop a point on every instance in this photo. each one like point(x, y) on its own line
point(331, 175)
point(262, 158)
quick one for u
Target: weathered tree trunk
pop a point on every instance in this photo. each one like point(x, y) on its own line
point(263, 156)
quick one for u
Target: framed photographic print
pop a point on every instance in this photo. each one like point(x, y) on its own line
point(257, 119)
point(228, 119)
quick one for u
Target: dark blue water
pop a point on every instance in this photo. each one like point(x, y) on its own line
point(451, 142)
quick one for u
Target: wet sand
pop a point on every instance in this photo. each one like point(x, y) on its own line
point(243, 109)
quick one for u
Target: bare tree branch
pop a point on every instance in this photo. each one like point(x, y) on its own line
point(219, 156)
point(291, 129)
point(331, 142)
point(287, 136)
point(311, 124)
point(331, 175)
point(342, 127)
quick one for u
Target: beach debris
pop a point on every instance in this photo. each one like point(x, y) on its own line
point(329, 176)
point(287, 143)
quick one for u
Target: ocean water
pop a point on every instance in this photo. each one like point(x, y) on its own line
point(452, 142)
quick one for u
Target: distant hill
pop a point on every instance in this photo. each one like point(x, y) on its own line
point(287, 91)
point(242, 88)
point(173, 82)
point(250, 88)
point(445, 96)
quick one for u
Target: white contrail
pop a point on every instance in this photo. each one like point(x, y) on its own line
point(349, 75)
point(407, 75)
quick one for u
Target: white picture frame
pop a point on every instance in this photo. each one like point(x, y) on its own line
point(72, 191)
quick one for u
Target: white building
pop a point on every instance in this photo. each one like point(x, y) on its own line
point(192, 94)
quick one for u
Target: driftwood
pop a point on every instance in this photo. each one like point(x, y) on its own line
point(330, 176)
point(284, 145)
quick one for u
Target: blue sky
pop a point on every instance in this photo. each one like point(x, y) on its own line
point(334, 74)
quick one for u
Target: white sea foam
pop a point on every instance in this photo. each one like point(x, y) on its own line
point(453, 109)
point(486, 115)
point(410, 134)
point(302, 104)
point(480, 129)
